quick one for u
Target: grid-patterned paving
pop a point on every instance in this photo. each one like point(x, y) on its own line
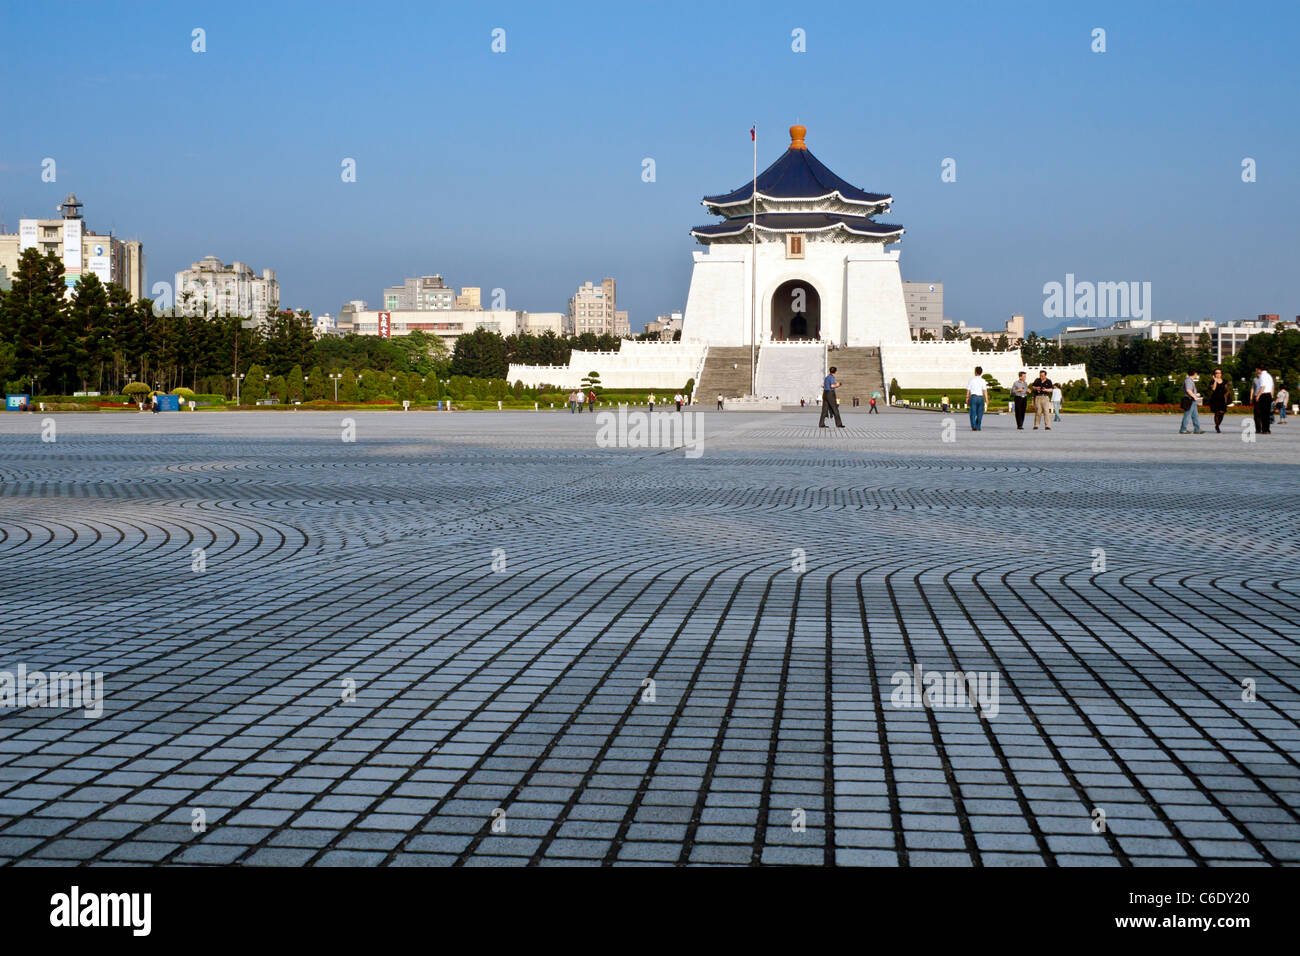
point(563, 653)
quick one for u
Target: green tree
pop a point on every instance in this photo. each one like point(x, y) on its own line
point(89, 339)
point(254, 386)
point(32, 318)
point(480, 354)
point(294, 385)
point(318, 385)
point(348, 387)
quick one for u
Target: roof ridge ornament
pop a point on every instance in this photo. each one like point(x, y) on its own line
point(797, 133)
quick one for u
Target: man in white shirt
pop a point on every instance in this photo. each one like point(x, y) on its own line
point(1261, 394)
point(976, 392)
point(1056, 403)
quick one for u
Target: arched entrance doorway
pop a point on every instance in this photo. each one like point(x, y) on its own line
point(796, 311)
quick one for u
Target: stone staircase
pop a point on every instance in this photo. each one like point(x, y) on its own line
point(726, 373)
point(859, 373)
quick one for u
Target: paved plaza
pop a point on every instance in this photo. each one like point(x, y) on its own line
point(484, 639)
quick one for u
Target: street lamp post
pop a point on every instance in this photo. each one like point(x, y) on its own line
point(238, 378)
point(336, 385)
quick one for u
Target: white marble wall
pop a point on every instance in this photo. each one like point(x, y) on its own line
point(656, 365)
point(951, 364)
point(784, 367)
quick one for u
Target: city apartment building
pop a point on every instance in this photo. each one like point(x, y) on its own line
point(924, 304)
point(470, 299)
point(209, 287)
point(109, 258)
point(1013, 329)
point(594, 308)
point(420, 294)
point(665, 326)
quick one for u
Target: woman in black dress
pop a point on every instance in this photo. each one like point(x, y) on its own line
point(1219, 398)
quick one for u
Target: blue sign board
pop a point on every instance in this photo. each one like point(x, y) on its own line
point(168, 403)
point(14, 403)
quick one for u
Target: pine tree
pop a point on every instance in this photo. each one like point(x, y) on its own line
point(32, 317)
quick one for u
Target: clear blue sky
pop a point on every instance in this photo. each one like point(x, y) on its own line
point(522, 170)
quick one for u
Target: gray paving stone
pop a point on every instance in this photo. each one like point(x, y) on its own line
point(1119, 689)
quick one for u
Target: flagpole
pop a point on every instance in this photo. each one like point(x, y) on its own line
point(753, 276)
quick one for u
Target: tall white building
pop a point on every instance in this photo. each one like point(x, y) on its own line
point(208, 287)
point(924, 304)
point(109, 258)
point(594, 308)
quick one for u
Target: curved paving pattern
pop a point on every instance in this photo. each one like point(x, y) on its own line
point(773, 735)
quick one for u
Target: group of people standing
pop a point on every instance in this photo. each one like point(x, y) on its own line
point(577, 400)
point(1045, 393)
point(1047, 400)
point(1262, 399)
point(679, 399)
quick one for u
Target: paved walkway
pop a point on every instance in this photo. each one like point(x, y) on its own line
point(499, 590)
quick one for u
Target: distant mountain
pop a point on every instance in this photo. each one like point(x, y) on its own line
point(1051, 333)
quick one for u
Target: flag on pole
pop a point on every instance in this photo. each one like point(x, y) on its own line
point(752, 137)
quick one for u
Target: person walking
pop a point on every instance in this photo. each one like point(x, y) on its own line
point(1219, 399)
point(1261, 396)
point(829, 404)
point(678, 399)
point(1042, 389)
point(1281, 403)
point(651, 400)
point(873, 410)
point(591, 402)
point(1056, 403)
point(1019, 399)
point(976, 390)
point(1190, 401)
point(719, 403)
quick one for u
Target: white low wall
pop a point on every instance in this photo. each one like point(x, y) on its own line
point(668, 365)
point(951, 364)
point(659, 365)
